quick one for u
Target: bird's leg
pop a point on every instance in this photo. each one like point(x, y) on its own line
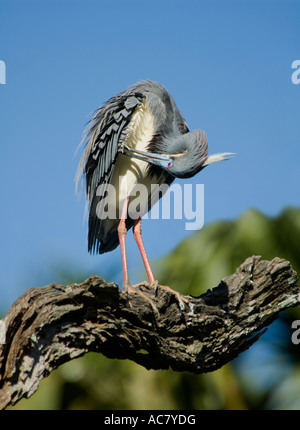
point(122, 230)
point(137, 232)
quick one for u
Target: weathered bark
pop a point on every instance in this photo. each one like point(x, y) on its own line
point(51, 325)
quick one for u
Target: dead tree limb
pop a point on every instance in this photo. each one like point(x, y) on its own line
point(51, 325)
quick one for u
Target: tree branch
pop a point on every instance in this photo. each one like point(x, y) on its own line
point(51, 325)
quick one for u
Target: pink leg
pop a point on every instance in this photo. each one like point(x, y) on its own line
point(137, 232)
point(122, 230)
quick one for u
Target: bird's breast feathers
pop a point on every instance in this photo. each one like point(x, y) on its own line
point(129, 171)
point(141, 128)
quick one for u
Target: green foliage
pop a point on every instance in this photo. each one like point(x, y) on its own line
point(202, 260)
point(265, 377)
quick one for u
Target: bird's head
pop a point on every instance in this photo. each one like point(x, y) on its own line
point(186, 154)
point(181, 156)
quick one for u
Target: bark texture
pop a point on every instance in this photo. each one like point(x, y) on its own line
point(157, 329)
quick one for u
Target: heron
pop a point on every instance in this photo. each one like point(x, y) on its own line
point(137, 137)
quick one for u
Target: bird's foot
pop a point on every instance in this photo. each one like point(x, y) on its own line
point(135, 289)
point(181, 300)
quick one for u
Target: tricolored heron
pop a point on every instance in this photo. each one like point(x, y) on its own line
point(137, 137)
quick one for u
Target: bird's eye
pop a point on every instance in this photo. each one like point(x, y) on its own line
point(170, 164)
point(180, 154)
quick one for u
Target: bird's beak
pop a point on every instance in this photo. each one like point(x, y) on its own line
point(217, 157)
point(161, 160)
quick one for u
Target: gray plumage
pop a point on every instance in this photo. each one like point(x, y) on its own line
point(143, 119)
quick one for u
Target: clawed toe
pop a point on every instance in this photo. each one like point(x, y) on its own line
point(181, 300)
point(135, 289)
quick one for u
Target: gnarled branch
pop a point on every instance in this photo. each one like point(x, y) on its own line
point(51, 325)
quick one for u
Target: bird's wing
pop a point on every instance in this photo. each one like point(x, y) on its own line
point(104, 137)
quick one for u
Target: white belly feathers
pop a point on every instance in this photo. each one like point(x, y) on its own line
point(129, 171)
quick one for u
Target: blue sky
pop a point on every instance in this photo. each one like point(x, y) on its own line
point(227, 65)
